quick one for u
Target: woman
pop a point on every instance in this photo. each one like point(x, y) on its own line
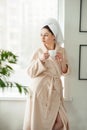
point(45, 108)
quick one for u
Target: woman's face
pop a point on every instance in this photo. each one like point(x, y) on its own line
point(47, 37)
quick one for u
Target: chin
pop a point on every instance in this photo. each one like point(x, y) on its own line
point(44, 43)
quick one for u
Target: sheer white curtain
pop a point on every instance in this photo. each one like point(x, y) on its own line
point(20, 22)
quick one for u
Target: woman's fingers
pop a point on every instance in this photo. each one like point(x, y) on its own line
point(46, 55)
point(59, 56)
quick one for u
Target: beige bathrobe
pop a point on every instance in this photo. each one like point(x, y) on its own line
point(45, 98)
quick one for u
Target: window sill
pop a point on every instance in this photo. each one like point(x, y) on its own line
point(13, 98)
point(24, 97)
point(68, 99)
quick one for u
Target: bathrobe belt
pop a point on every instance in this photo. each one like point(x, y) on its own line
point(53, 78)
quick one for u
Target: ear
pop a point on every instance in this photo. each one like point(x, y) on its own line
point(54, 38)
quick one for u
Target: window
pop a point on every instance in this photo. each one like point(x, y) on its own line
point(19, 30)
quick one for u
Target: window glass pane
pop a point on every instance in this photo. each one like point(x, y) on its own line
point(20, 22)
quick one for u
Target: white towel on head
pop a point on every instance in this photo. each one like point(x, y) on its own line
point(55, 28)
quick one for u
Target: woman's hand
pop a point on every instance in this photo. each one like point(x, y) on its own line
point(44, 56)
point(59, 57)
point(61, 60)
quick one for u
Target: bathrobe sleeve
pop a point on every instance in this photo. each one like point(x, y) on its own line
point(36, 67)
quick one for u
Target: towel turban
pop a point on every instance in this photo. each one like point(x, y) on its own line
point(55, 28)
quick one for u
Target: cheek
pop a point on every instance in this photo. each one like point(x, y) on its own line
point(46, 39)
point(50, 39)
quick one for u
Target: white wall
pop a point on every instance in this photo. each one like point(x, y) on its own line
point(77, 109)
point(11, 114)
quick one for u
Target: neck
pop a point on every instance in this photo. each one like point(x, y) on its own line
point(50, 47)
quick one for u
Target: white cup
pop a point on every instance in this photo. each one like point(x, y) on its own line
point(52, 53)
